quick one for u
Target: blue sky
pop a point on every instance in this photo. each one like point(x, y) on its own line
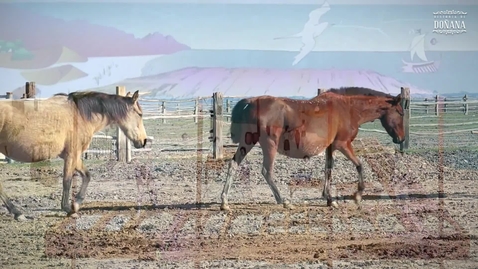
point(255, 27)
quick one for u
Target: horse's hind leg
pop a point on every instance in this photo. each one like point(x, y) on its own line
point(329, 164)
point(348, 151)
point(10, 206)
point(241, 152)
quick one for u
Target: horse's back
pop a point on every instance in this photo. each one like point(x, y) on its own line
point(266, 110)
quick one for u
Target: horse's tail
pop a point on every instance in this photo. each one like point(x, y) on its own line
point(241, 114)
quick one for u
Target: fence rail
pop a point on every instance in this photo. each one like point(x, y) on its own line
point(181, 124)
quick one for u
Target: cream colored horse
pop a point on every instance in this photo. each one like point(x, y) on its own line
point(63, 126)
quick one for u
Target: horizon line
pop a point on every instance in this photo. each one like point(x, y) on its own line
point(270, 2)
point(296, 51)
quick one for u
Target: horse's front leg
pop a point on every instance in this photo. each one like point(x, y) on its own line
point(269, 152)
point(348, 151)
point(329, 165)
point(86, 177)
point(68, 170)
point(242, 150)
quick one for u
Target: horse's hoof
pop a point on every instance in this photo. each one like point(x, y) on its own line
point(20, 217)
point(74, 215)
point(76, 207)
point(225, 207)
point(289, 206)
point(332, 204)
point(358, 198)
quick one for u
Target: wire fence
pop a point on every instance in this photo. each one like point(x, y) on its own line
point(179, 125)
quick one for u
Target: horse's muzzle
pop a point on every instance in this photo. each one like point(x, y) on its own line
point(140, 144)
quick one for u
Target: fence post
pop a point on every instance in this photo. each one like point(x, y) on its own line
point(30, 90)
point(196, 110)
point(163, 111)
point(319, 91)
point(405, 93)
point(9, 97)
point(437, 98)
point(444, 105)
point(218, 149)
point(465, 99)
point(120, 137)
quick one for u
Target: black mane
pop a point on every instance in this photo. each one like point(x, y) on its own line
point(112, 106)
point(359, 91)
point(60, 94)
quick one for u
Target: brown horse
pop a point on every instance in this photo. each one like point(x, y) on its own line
point(63, 126)
point(305, 128)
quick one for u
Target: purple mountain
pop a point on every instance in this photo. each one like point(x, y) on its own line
point(195, 81)
point(89, 40)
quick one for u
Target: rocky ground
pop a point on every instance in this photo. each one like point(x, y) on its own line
point(145, 215)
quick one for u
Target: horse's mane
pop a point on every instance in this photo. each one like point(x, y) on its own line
point(60, 94)
point(113, 106)
point(358, 91)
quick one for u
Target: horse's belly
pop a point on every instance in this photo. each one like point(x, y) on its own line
point(300, 147)
point(31, 153)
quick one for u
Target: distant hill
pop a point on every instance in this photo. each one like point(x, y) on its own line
point(461, 93)
point(454, 67)
point(193, 81)
point(33, 31)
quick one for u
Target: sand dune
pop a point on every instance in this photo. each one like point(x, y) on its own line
point(54, 75)
point(194, 81)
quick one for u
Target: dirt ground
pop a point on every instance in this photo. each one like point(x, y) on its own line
point(419, 211)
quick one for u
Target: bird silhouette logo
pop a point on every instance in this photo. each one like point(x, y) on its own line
point(312, 29)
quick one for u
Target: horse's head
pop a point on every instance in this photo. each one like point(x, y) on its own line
point(132, 124)
point(392, 119)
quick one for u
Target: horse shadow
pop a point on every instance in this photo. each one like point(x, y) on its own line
point(214, 206)
point(410, 196)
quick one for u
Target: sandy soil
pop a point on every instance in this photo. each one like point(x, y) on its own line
point(145, 215)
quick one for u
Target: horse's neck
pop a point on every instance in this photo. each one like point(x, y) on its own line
point(98, 123)
point(367, 109)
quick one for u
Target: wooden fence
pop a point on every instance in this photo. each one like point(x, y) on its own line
point(179, 124)
point(438, 105)
point(177, 117)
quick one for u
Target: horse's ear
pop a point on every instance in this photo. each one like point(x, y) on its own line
point(398, 99)
point(128, 94)
point(135, 96)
